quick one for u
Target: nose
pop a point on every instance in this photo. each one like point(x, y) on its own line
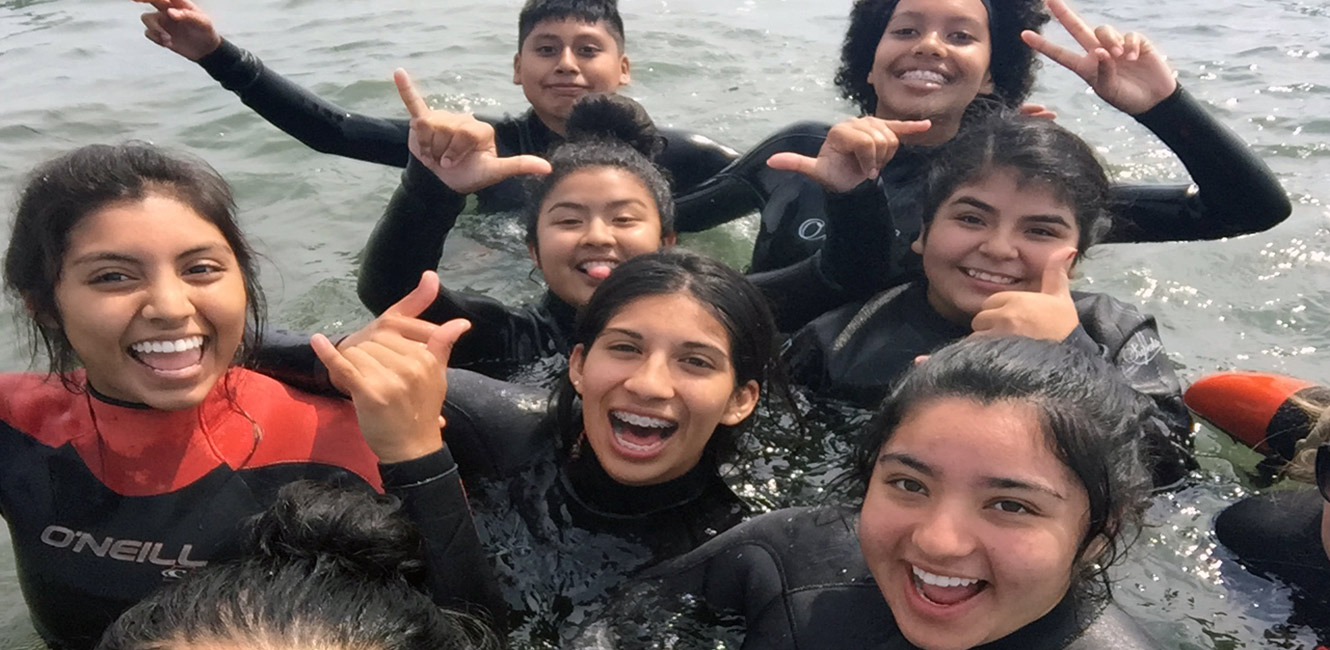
point(598, 234)
point(567, 61)
point(651, 379)
point(168, 301)
point(944, 533)
point(999, 246)
point(930, 44)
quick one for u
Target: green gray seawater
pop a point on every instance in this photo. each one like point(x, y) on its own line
point(73, 73)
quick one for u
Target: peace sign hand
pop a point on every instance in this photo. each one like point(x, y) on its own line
point(1126, 70)
point(457, 147)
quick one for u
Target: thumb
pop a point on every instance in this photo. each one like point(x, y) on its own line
point(524, 165)
point(1057, 273)
point(441, 342)
point(793, 162)
point(420, 297)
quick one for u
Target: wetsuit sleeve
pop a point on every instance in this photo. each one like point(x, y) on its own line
point(1235, 193)
point(460, 575)
point(319, 124)
point(494, 428)
point(743, 186)
point(1130, 340)
point(691, 158)
point(408, 240)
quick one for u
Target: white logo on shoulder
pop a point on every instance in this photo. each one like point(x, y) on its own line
point(812, 230)
point(1141, 349)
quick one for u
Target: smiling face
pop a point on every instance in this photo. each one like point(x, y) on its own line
point(152, 300)
point(971, 524)
point(994, 234)
point(655, 383)
point(590, 222)
point(932, 62)
point(562, 60)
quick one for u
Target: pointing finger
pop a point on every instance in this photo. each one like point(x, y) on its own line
point(1079, 29)
point(1060, 55)
point(415, 104)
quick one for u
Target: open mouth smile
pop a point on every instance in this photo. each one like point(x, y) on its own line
point(171, 358)
point(945, 590)
point(640, 436)
point(992, 278)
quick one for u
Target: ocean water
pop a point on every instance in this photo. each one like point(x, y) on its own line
point(73, 73)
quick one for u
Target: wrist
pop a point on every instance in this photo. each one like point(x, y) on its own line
point(401, 451)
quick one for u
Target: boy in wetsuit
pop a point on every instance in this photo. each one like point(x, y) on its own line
point(566, 49)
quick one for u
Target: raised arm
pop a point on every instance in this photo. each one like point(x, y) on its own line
point(1238, 194)
point(184, 28)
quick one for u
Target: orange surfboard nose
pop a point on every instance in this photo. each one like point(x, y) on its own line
point(1255, 407)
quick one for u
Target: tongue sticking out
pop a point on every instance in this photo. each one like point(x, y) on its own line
point(599, 271)
point(169, 361)
point(948, 595)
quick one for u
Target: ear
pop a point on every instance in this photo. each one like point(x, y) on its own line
point(625, 76)
point(669, 240)
point(575, 361)
point(44, 319)
point(988, 87)
point(534, 254)
point(517, 69)
point(741, 404)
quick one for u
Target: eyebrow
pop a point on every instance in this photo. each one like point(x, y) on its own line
point(1037, 218)
point(992, 482)
point(917, 15)
point(574, 205)
point(690, 345)
point(124, 258)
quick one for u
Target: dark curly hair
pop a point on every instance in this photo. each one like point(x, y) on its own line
point(1012, 65)
point(1091, 419)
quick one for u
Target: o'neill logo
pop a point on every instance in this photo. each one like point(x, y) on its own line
point(123, 550)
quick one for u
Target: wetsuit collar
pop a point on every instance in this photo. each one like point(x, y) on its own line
point(587, 482)
point(1063, 624)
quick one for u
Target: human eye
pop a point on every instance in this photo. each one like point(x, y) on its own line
point(545, 50)
point(968, 219)
point(589, 50)
point(907, 485)
point(904, 32)
point(699, 362)
point(963, 37)
point(622, 348)
point(108, 278)
point(1012, 506)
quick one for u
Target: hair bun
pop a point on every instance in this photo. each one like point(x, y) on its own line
point(615, 117)
point(362, 532)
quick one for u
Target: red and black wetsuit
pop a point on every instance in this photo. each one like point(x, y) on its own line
point(107, 500)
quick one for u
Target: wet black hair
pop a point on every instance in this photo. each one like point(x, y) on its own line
point(59, 193)
point(590, 12)
point(1092, 420)
point(725, 293)
point(607, 131)
point(1012, 64)
point(324, 568)
point(1038, 151)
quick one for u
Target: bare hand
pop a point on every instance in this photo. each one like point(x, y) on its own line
point(855, 151)
point(457, 147)
point(1048, 314)
point(180, 26)
point(396, 383)
point(1039, 111)
point(1124, 69)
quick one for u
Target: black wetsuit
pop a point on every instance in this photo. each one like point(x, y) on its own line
point(106, 500)
point(1278, 535)
point(858, 351)
point(1237, 194)
point(324, 127)
point(564, 524)
point(799, 581)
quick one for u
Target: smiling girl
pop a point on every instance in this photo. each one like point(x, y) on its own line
point(995, 496)
point(620, 467)
point(602, 202)
point(136, 458)
point(1014, 200)
point(944, 62)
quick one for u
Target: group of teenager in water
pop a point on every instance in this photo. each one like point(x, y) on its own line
point(187, 477)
